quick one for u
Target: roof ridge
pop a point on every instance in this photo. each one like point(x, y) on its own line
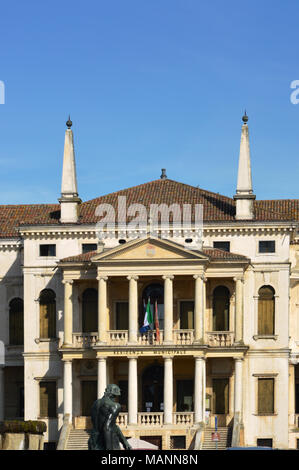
point(162, 181)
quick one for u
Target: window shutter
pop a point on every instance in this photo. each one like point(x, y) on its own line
point(48, 399)
point(266, 396)
point(47, 314)
point(266, 311)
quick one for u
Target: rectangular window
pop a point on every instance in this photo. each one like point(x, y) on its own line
point(47, 250)
point(265, 396)
point(122, 316)
point(87, 247)
point(48, 401)
point(264, 442)
point(186, 315)
point(267, 246)
point(225, 246)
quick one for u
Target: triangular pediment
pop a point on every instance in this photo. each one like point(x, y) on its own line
point(149, 249)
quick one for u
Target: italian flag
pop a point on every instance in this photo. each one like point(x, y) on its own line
point(148, 317)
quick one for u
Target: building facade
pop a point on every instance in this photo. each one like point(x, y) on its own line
point(227, 345)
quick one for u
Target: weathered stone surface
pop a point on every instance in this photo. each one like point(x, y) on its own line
point(14, 441)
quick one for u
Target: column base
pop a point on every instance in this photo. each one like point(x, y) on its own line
point(199, 341)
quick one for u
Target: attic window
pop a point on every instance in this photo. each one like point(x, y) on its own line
point(225, 246)
point(87, 247)
point(267, 246)
point(122, 241)
point(47, 250)
point(188, 240)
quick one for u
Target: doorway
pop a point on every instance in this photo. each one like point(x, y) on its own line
point(220, 401)
point(153, 388)
point(88, 396)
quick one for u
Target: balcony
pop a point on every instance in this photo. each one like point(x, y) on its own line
point(214, 339)
point(120, 338)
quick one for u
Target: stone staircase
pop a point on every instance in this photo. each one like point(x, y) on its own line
point(78, 439)
point(208, 444)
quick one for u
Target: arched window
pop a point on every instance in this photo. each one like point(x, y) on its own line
point(16, 321)
point(90, 311)
point(266, 310)
point(221, 297)
point(47, 314)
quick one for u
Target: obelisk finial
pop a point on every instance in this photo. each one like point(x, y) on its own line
point(69, 122)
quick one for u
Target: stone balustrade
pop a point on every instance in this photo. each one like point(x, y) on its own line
point(221, 339)
point(84, 340)
point(183, 418)
point(150, 419)
point(180, 337)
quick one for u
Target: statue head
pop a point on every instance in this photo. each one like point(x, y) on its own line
point(113, 390)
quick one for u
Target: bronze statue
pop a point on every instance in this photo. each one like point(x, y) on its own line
point(105, 434)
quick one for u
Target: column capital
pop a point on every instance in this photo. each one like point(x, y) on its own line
point(239, 278)
point(102, 278)
point(67, 281)
point(200, 276)
point(168, 276)
point(133, 278)
point(238, 359)
point(167, 357)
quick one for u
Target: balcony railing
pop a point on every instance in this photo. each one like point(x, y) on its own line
point(220, 339)
point(156, 419)
point(213, 339)
point(84, 340)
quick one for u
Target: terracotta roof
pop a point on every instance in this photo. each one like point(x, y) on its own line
point(216, 207)
point(215, 254)
point(12, 216)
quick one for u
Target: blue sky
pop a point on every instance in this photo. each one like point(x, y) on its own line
point(149, 84)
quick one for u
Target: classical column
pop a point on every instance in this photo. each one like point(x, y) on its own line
point(168, 389)
point(168, 309)
point(132, 391)
point(102, 308)
point(238, 385)
point(199, 399)
point(239, 310)
point(1, 393)
point(199, 308)
point(102, 376)
point(133, 308)
point(68, 312)
point(68, 388)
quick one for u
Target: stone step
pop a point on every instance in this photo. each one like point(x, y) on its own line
point(78, 439)
point(209, 444)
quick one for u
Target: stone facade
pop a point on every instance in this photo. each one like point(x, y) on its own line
point(196, 369)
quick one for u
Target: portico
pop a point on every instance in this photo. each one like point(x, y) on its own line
point(181, 281)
